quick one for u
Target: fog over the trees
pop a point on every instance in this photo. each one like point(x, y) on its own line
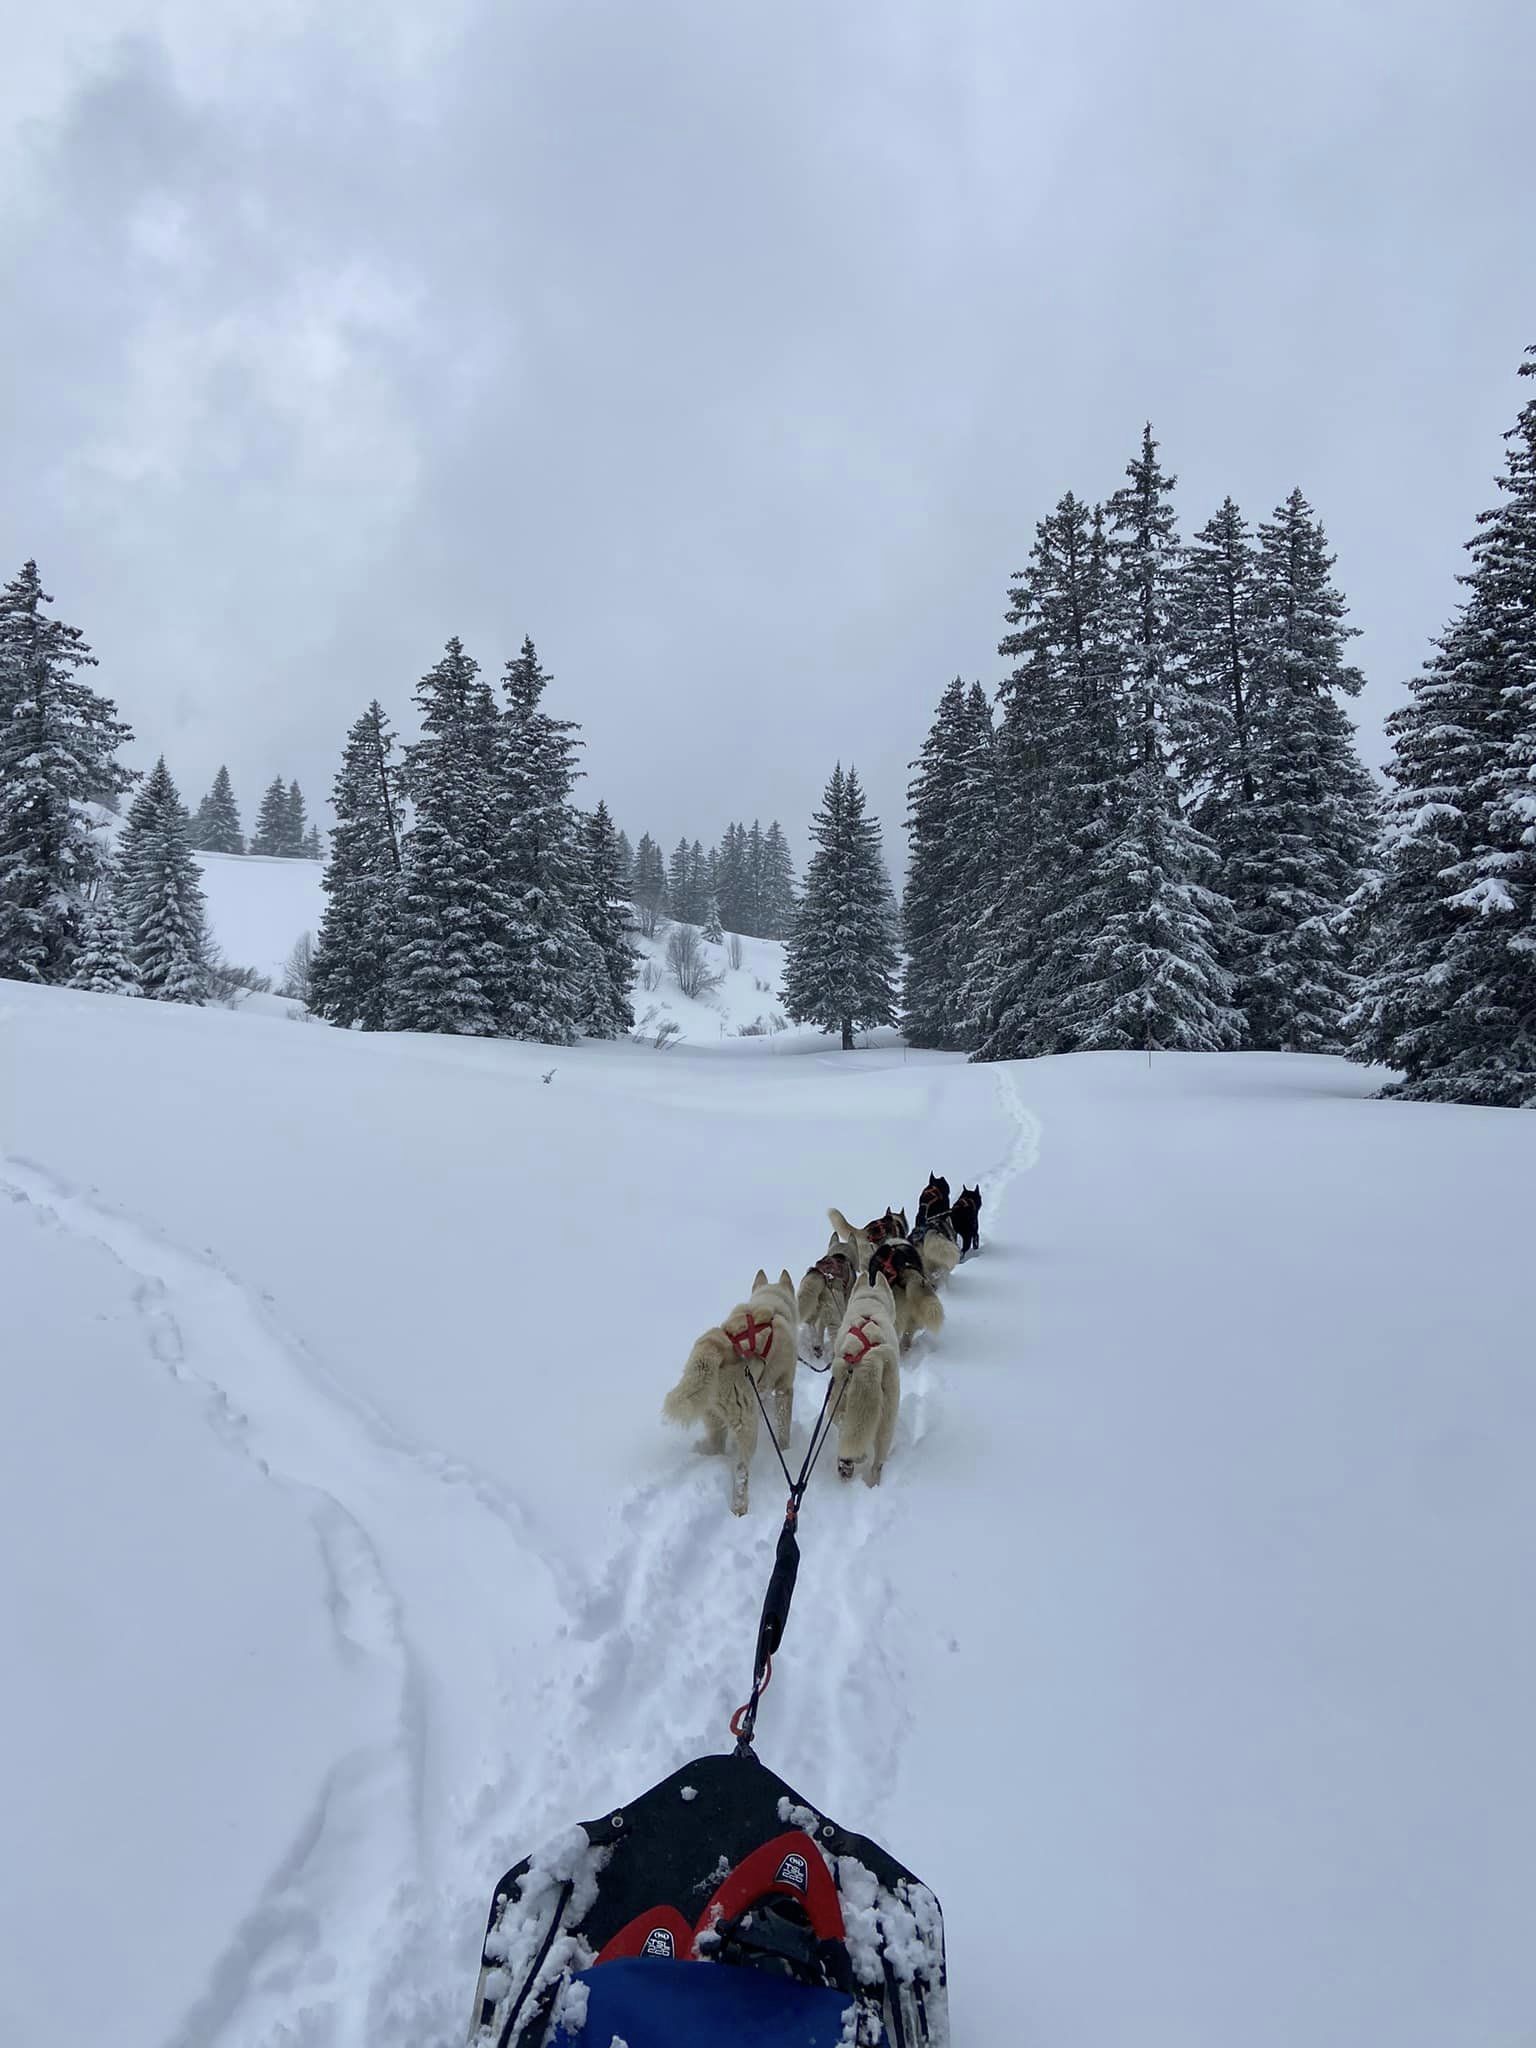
point(733, 354)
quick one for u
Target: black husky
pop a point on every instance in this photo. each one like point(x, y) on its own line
point(965, 1214)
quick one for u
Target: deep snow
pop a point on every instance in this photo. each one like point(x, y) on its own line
point(1186, 1650)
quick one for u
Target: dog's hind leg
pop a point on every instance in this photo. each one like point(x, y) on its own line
point(712, 1443)
point(890, 1389)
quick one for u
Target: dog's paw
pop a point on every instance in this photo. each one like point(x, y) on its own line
point(846, 1468)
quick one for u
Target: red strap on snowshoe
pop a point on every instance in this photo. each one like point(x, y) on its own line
point(658, 1931)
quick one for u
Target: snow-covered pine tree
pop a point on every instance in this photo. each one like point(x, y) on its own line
point(1154, 936)
point(550, 964)
point(447, 969)
point(840, 965)
point(160, 899)
point(714, 930)
point(756, 853)
point(626, 857)
point(1215, 612)
point(605, 919)
point(271, 834)
point(778, 884)
point(350, 974)
point(731, 881)
point(680, 893)
point(1450, 994)
point(701, 881)
point(648, 889)
point(1300, 852)
point(930, 932)
point(216, 823)
point(295, 823)
point(102, 966)
point(58, 752)
point(1056, 770)
point(310, 849)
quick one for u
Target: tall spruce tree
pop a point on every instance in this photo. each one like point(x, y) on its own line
point(626, 857)
point(605, 918)
point(448, 968)
point(732, 883)
point(682, 900)
point(778, 886)
point(1450, 993)
point(295, 824)
point(216, 823)
point(271, 835)
point(1155, 935)
point(550, 966)
point(161, 898)
point(58, 752)
point(1057, 772)
point(648, 888)
point(1300, 851)
point(840, 965)
point(350, 975)
point(934, 975)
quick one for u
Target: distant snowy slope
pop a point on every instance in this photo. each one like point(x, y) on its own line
point(259, 907)
point(1185, 1650)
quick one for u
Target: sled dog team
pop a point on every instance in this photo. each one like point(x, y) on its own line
point(868, 1296)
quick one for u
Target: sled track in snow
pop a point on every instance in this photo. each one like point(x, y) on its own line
point(317, 1959)
point(658, 1649)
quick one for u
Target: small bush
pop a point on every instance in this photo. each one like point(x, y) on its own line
point(733, 950)
point(690, 970)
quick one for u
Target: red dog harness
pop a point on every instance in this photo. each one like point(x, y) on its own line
point(744, 1342)
point(859, 1334)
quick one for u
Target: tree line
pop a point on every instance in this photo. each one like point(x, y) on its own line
point(282, 825)
point(744, 884)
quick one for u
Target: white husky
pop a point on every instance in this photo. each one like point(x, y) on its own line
point(759, 1337)
point(824, 1292)
point(866, 1380)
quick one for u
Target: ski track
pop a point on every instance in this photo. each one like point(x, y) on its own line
point(366, 1933)
point(314, 1963)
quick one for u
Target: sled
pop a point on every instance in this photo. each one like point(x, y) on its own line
point(717, 1910)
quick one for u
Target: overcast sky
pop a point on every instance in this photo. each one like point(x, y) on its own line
point(732, 352)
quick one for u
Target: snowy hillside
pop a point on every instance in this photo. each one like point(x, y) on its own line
point(1185, 1650)
point(258, 908)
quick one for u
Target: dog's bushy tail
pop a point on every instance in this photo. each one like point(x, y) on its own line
point(693, 1396)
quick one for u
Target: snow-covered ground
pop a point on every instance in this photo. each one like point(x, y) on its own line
point(259, 907)
point(1186, 1650)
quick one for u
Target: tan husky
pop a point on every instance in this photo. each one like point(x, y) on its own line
point(866, 1381)
point(759, 1337)
point(824, 1292)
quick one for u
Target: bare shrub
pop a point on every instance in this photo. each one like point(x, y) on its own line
point(298, 969)
point(733, 952)
point(763, 1027)
point(648, 918)
point(689, 968)
point(666, 1031)
point(229, 983)
point(650, 976)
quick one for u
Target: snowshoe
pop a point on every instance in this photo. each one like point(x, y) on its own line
point(718, 1910)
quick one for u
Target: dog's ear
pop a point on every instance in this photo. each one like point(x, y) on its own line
point(784, 1279)
point(760, 1282)
point(883, 1289)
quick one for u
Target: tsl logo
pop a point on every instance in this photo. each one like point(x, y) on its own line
point(792, 1871)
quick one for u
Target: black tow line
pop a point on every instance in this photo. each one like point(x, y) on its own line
point(786, 1561)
